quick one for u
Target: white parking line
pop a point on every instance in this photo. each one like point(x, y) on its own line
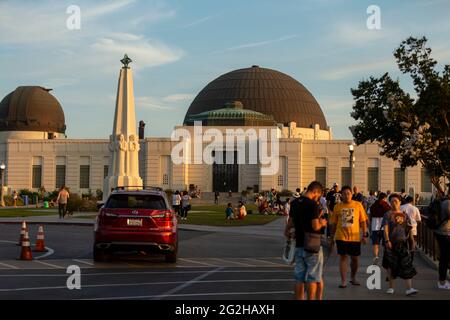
point(84, 261)
point(187, 284)
point(50, 251)
point(235, 262)
point(183, 284)
point(9, 266)
point(198, 294)
point(198, 262)
point(260, 260)
point(146, 272)
point(54, 266)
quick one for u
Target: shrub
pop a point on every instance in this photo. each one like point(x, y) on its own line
point(77, 204)
point(31, 195)
point(9, 201)
point(285, 193)
point(99, 194)
point(51, 195)
point(74, 203)
point(41, 193)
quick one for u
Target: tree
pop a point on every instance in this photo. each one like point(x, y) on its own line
point(410, 130)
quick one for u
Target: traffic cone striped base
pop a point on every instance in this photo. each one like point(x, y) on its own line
point(40, 246)
point(26, 249)
point(22, 232)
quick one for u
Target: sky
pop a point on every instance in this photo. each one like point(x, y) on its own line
point(178, 47)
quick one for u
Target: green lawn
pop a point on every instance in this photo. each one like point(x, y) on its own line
point(27, 212)
point(214, 215)
point(210, 215)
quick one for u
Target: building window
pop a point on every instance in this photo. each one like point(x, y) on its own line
point(37, 176)
point(84, 176)
point(321, 175)
point(372, 179)
point(105, 171)
point(425, 181)
point(165, 179)
point(280, 180)
point(399, 179)
point(346, 176)
point(60, 176)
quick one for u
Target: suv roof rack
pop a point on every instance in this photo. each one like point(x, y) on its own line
point(137, 188)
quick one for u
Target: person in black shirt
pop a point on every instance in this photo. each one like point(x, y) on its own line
point(305, 216)
point(333, 197)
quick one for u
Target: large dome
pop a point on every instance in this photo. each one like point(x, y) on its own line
point(31, 108)
point(263, 90)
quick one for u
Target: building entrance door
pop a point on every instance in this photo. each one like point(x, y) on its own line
point(225, 175)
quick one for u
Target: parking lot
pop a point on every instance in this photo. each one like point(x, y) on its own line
point(211, 265)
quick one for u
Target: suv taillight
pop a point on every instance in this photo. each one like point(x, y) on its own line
point(162, 214)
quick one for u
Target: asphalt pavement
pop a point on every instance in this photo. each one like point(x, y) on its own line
point(227, 263)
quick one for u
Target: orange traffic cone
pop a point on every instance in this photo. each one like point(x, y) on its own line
point(22, 232)
point(26, 249)
point(40, 246)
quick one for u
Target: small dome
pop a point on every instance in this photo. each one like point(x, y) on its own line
point(263, 90)
point(232, 114)
point(31, 108)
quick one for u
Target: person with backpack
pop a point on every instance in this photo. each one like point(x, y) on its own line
point(397, 258)
point(442, 235)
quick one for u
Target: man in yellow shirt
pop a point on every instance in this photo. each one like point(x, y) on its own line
point(347, 221)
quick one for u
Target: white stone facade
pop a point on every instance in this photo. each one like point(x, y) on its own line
point(299, 160)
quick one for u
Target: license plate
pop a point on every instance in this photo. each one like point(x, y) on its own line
point(134, 222)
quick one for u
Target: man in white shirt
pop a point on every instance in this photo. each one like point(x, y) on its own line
point(414, 214)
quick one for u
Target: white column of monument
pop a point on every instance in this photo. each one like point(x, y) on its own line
point(123, 142)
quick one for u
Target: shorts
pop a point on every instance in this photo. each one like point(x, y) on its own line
point(377, 237)
point(308, 266)
point(348, 248)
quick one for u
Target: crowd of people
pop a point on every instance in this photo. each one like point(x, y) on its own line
point(347, 219)
point(271, 203)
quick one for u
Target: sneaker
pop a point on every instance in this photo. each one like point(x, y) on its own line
point(390, 291)
point(411, 292)
point(446, 285)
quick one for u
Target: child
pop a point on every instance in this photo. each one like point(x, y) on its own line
point(229, 212)
point(242, 210)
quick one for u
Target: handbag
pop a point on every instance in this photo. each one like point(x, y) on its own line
point(312, 242)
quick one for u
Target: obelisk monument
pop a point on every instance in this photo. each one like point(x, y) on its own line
point(124, 146)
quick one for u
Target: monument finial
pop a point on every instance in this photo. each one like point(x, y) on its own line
point(126, 61)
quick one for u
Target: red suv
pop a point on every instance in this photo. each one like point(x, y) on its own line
point(136, 220)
